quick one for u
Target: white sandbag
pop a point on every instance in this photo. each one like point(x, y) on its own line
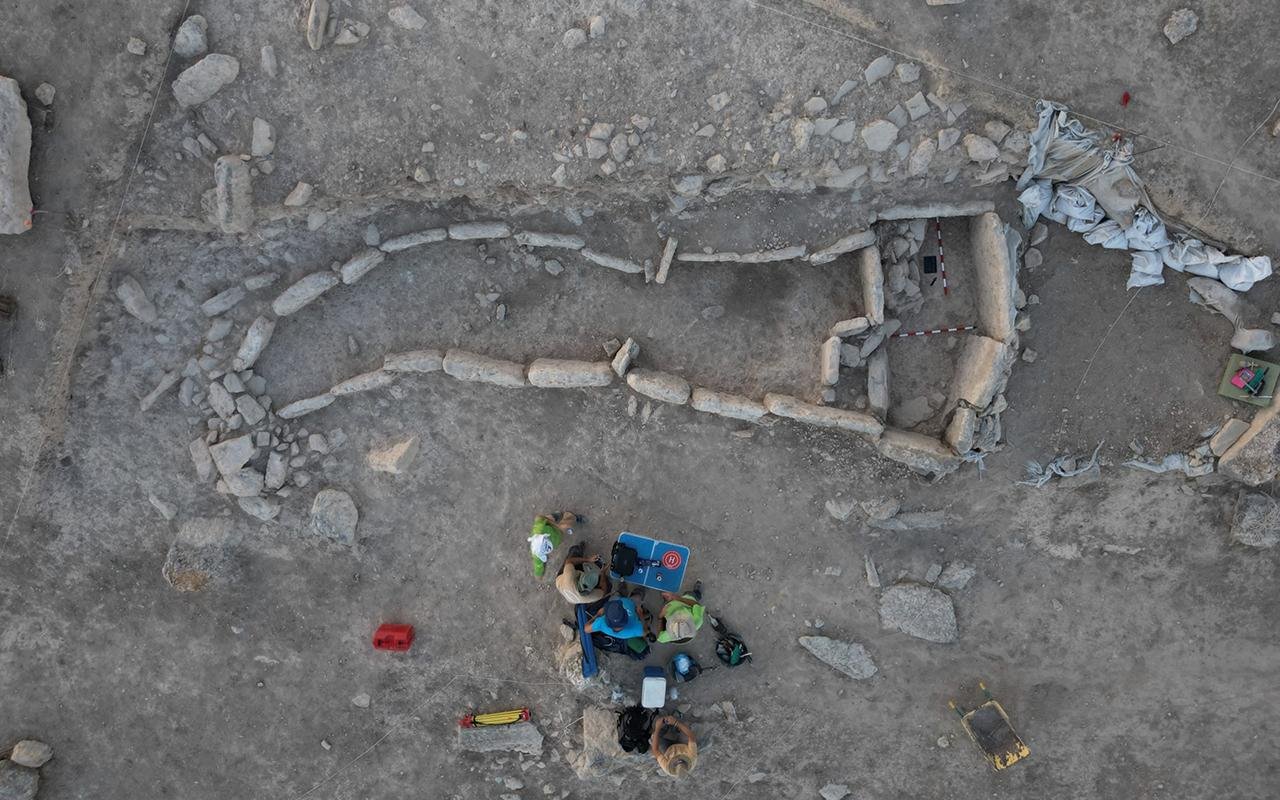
point(1109, 234)
point(1147, 231)
point(1035, 200)
point(1244, 272)
point(1075, 203)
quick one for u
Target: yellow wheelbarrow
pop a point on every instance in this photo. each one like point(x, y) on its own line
point(989, 728)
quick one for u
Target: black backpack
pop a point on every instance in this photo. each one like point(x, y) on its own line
point(635, 726)
point(623, 560)
point(612, 644)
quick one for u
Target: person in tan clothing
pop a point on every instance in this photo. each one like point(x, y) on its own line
point(674, 746)
point(582, 580)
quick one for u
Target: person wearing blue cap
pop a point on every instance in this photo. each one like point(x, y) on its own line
point(619, 619)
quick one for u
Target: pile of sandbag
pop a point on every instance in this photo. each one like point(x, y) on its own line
point(1075, 181)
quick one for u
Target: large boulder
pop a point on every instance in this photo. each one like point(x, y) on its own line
point(920, 611)
point(334, 515)
point(17, 782)
point(15, 158)
point(204, 551)
point(1256, 521)
point(203, 79)
point(1255, 457)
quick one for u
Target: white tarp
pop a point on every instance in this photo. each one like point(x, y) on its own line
point(1074, 181)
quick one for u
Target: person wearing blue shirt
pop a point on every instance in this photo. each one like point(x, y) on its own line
point(618, 619)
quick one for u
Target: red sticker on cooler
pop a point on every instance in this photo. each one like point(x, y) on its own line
point(671, 559)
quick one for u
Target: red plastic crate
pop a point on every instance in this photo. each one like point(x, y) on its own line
point(393, 637)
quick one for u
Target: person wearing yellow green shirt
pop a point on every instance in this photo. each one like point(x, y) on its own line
point(682, 615)
point(547, 533)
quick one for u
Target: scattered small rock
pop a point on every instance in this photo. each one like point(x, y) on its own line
point(956, 576)
point(880, 135)
point(135, 300)
point(31, 753)
point(136, 46)
point(395, 458)
point(407, 18)
point(45, 93)
point(841, 509)
point(1181, 24)
point(361, 700)
point(264, 138)
point(574, 38)
point(300, 195)
point(190, 40)
point(834, 791)
point(880, 68)
point(167, 510)
point(980, 148)
point(881, 509)
point(269, 63)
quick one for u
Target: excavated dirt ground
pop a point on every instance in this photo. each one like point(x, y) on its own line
point(1144, 675)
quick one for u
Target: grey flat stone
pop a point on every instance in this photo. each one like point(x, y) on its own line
point(417, 239)
point(303, 292)
point(305, 406)
point(334, 516)
point(223, 301)
point(919, 611)
point(523, 737)
point(15, 159)
point(135, 300)
point(850, 658)
point(17, 782)
point(202, 80)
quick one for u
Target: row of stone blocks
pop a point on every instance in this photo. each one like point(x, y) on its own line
point(920, 452)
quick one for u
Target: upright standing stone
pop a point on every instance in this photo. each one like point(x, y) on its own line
point(15, 158)
point(994, 276)
point(829, 361)
point(872, 276)
point(668, 253)
point(625, 355)
point(317, 23)
point(234, 192)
